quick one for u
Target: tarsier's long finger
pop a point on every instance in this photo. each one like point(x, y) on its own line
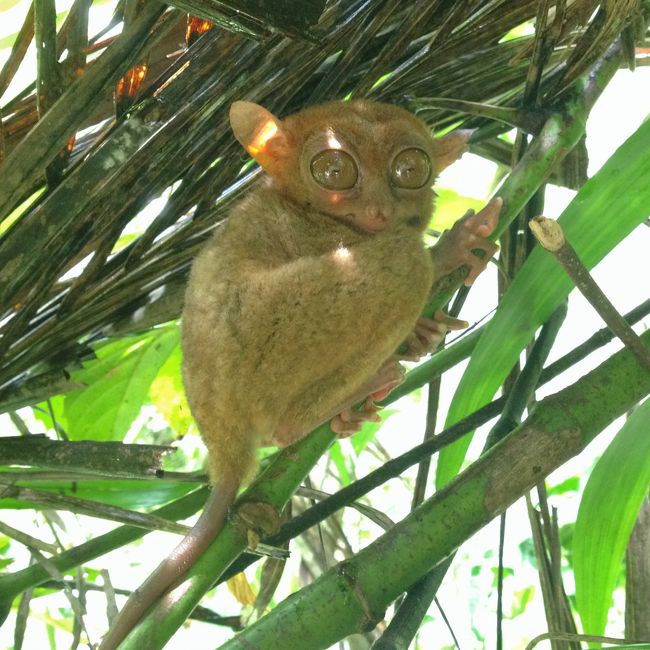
point(425, 331)
point(379, 395)
point(435, 325)
point(447, 321)
point(369, 406)
point(392, 380)
point(415, 349)
point(480, 226)
point(428, 333)
point(485, 221)
point(343, 429)
point(476, 264)
point(428, 338)
point(431, 331)
point(390, 375)
point(342, 425)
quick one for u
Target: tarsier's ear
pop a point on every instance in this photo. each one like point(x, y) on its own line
point(260, 132)
point(449, 148)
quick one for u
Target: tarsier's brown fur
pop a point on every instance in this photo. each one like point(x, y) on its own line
point(296, 306)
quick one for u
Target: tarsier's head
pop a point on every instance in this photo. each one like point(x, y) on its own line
point(367, 164)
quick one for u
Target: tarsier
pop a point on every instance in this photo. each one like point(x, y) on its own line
point(296, 306)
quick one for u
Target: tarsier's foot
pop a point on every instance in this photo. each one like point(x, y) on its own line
point(428, 334)
point(350, 420)
point(455, 246)
point(390, 375)
point(259, 518)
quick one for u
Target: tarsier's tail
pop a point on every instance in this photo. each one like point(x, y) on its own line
point(174, 567)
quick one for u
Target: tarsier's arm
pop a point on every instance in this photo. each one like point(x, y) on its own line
point(454, 249)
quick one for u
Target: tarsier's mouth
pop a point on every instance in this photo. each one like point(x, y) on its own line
point(363, 226)
point(367, 225)
point(354, 222)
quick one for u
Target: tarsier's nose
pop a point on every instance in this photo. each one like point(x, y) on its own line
point(375, 218)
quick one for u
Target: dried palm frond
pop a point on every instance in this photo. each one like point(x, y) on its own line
point(88, 162)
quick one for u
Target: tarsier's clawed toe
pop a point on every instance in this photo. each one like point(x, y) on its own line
point(475, 231)
point(349, 421)
point(390, 375)
point(428, 334)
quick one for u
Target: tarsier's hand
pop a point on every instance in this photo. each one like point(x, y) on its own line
point(426, 337)
point(455, 246)
point(428, 334)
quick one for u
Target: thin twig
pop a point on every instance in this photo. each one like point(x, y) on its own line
point(27, 540)
point(561, 636)
point(46, 499)
point(550, 235)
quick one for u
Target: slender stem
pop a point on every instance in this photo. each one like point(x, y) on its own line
point(549, 234)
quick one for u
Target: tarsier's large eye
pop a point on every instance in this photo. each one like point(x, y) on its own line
point(334, 169)
point(411, 169)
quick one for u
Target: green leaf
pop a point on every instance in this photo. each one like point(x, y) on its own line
point(5, 5)
point(340, 462)
point(527, 550)
point(608, 510)
point(168, 396)
point(597, 219)
point(44, 412)
point(507, 572)
point(131, 494)
point(118, 381)
point(520, 601)
point(450, 206)
point(7, 42)
point(571, 484)
point(15, 214)
point(520, 31)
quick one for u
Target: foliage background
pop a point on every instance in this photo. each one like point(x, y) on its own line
point(134, 385)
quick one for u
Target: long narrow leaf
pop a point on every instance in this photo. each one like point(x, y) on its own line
point(607, 208)
point(608, 510)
